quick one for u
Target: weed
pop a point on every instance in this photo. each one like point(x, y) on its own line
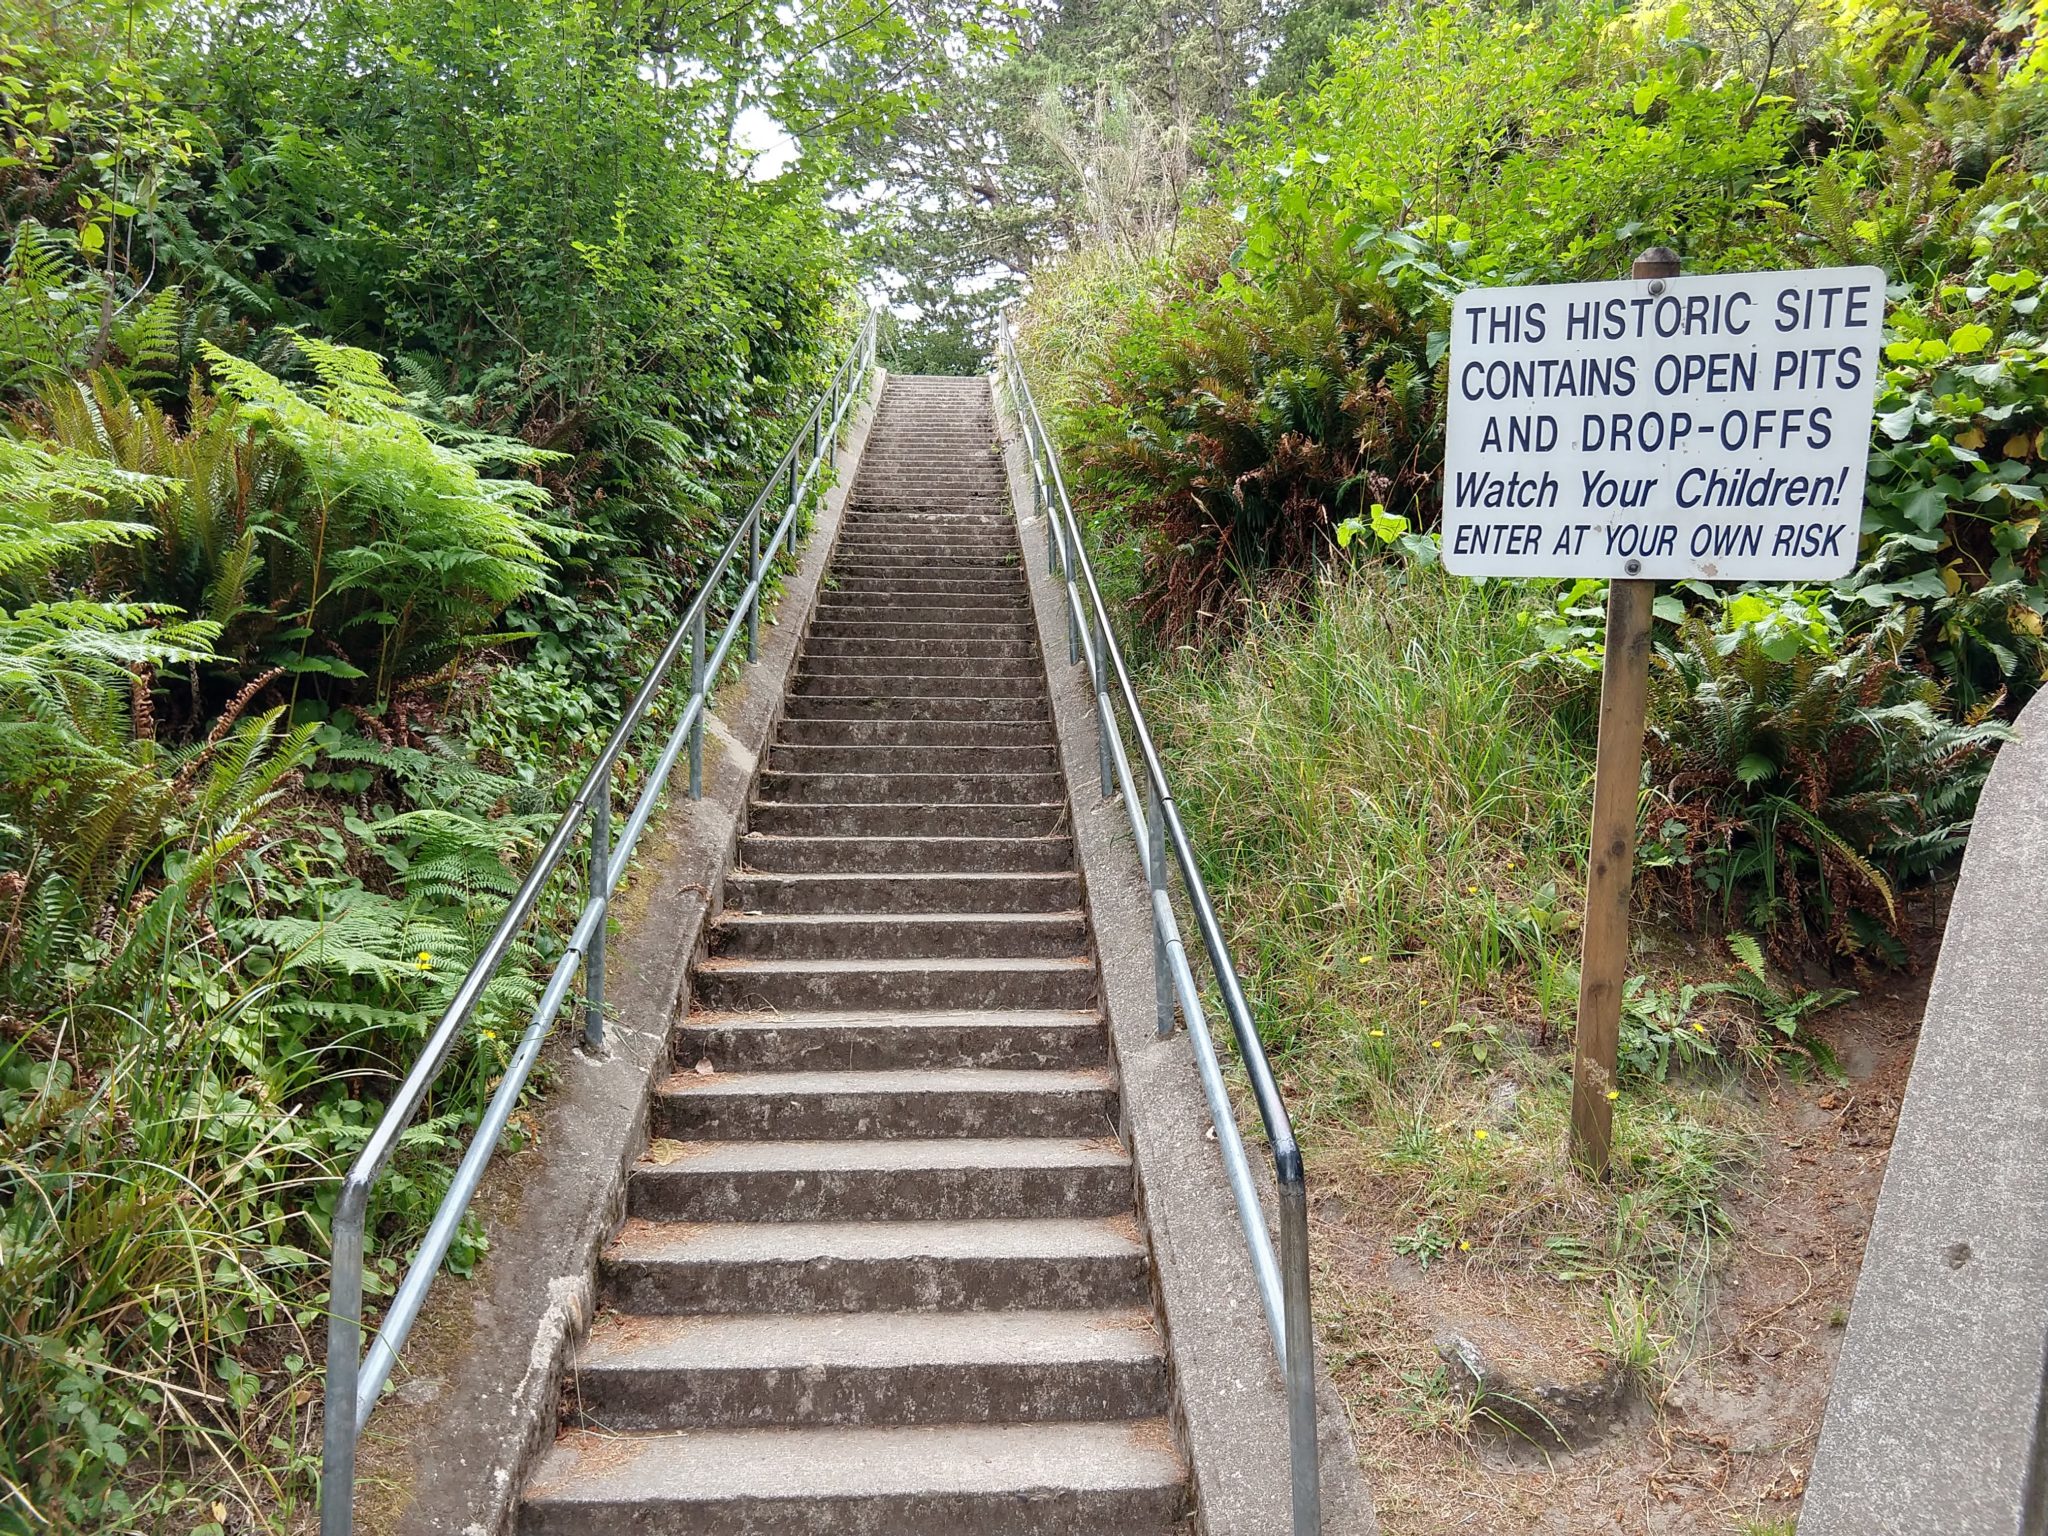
point(1428, 1402)
point(1426, 1244)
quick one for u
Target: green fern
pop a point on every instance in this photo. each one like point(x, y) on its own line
point(1806, 790)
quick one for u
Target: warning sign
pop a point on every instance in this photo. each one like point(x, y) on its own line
point(1670, 428)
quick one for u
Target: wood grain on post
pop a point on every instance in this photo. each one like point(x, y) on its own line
point(1610, 865)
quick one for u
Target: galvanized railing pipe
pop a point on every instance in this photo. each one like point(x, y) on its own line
point(355, 1379)
point(1161, 839)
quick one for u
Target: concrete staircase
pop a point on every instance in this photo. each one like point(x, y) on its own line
point(881, 1274)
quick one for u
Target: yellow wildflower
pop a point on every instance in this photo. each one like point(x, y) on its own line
point(1479, 1134)
point(1436, 1045)
point(1613, 1094)
point(425, 961)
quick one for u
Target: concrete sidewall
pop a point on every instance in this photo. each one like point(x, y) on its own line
point(1934, 1421)
point(1229, 1400)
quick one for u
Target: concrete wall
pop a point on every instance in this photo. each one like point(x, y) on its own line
point(1934, 1426)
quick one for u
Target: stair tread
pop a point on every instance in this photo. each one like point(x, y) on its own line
point(858, 967)
point(824, 878)
point(715, 1465)
point(866, 1340)
point(805, 1242)
point(881, 1156)
point(1030, 920)
point(890, 1080)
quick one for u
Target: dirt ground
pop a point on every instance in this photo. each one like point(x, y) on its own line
point(1721, 1440)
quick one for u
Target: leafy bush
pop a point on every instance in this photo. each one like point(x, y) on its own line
point(1278, 372)
point(1801, 794)
point(1273, 385)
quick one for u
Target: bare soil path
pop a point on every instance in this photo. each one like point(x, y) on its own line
point(1721, 1438)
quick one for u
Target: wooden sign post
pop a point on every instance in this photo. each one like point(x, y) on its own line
point(1659, 428)
point(1610, 871)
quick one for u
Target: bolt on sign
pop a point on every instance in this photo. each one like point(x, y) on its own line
point(1713, 429)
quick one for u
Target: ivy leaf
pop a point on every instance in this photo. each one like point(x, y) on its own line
point(1969, 338)
point(1925, 507)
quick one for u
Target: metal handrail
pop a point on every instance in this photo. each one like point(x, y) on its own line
point(355, 1381)
point(1091, 640)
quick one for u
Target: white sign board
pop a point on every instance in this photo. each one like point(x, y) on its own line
point(1669, 428)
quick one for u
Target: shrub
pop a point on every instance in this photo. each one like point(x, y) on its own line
point(1801, 794)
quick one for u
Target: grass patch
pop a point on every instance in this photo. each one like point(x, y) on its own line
point(1392, 810)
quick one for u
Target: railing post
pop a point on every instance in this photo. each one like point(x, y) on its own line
point(344, 1360)
point(1107, 719)
point(698, 692)
point(1155, 870)
point(1066, 575)
point(754, 575)
point(1301, 1356)
point(600, 892)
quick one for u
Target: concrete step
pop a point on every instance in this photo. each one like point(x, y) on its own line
point(1003, 589)
point(641, 1373)
point(961, 895)
point(918, 734)
point(906, 489)
point(889, 481)
point(963, 504)
point(888, 1266)
point(907, 820)
point(999, 619)
point(983, 529)
point(810, 683)
point(853, 706)
point(898, 935)
point(894, 707)
point(976, 656)
point(912, 574)
point(900, 1102)
point(908, 584)
point(929, 789)
point(915, 554)
point(886, 597)
point(740, 986)
point(907, 549)
point(928, 647)
point(893, 480)
point(1012, 1039)
point(922, 662)
point(955, 1178)
point(897, 548)
point(925, 608)
point(945, 761)
point(921, 631)
point(880, 854)
point(1090, 1479)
